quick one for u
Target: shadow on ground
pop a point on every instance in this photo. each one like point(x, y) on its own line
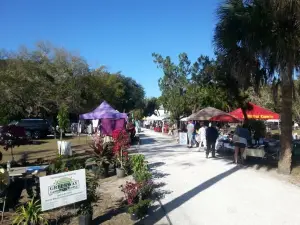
point(177, 202)
point(167, 148)
point(108, 215)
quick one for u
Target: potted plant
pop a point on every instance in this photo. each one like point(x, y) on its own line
point(139, 210)
point(131, 192)
point(64, 147)
point(121, 144)
point(85, 209)
point(30, 214)
point(146, 189)
point(103, 152)
point(138, 163)
point(85, 213)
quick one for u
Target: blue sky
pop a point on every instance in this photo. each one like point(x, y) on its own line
point(121, 34)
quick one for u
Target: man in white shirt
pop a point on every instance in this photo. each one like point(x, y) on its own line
point(190, 132)
point(202, 136)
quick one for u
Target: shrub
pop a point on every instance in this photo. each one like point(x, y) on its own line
point(63, 119)
point(146, 189)
point(142, 176)
point(138, 163)
point(103, 153)
point(31, 213)
point(85, 207)
point(131, 192)
point(140, 209)
point(64, 164)
point(121, 144)
point(57, 165)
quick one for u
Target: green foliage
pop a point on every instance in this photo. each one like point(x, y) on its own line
point(58, 165)
point(65, 163)
point(138, 163)
point(36, 83)
point(140, 209)
point(138, 114)
point(142, 176)
point(139, 168)
point(85, 207)
point(31, 213)
point(151, 104)
point(103, 152)
point(256, 42)
point(188, 87)
point(63, 119)
point(258, 128)
point(174, 79)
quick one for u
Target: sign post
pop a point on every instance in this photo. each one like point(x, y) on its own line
point(62, 189)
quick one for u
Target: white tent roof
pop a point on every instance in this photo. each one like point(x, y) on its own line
point(154, 117)
point(184, 119)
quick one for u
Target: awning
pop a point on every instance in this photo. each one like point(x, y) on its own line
point(103, 111)
point(256, 112)
point(206, 114)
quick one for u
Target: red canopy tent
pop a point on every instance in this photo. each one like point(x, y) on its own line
point(256, 112)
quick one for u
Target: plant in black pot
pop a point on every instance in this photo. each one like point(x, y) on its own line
point(146, 189)
point(103, 152)
point(139, 210)
point(85, 213)
point(121, 144)
point(85, 209)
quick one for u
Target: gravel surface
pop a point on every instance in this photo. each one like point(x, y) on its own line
point(197, 190)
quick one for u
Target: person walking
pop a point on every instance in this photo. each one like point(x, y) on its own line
point(211, 137)
point(240, 139)
point(202, 136)
point(190, 133)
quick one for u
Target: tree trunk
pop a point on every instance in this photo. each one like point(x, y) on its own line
point(285, 160)
point(244, 111)
point(61, 134)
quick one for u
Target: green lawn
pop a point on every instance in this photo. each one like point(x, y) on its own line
point(46, 149)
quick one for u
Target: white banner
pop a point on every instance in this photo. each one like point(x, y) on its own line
point(62, 189)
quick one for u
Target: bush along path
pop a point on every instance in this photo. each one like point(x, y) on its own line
point(139, 194)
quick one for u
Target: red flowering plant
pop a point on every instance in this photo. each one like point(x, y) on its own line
point(121, 144)
point(131, 191)
point(103, 152)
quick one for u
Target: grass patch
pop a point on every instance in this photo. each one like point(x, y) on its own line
point(46, 148)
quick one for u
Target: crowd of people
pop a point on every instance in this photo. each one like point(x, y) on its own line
point(205, 137)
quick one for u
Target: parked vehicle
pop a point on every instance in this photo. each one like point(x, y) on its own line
point(35, 128)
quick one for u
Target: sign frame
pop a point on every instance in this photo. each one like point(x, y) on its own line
point(63, 189)
point(183, 140)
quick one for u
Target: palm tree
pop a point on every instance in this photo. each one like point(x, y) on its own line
point(268, 31)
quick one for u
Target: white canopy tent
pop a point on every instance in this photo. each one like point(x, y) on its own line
point(153, 118)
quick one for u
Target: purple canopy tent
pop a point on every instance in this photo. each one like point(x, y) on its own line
point(110, 118)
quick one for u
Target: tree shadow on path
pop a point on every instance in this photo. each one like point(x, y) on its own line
point(177, 202)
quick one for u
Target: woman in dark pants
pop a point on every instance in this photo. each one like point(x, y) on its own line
point(240, 140)
point(212, 135)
